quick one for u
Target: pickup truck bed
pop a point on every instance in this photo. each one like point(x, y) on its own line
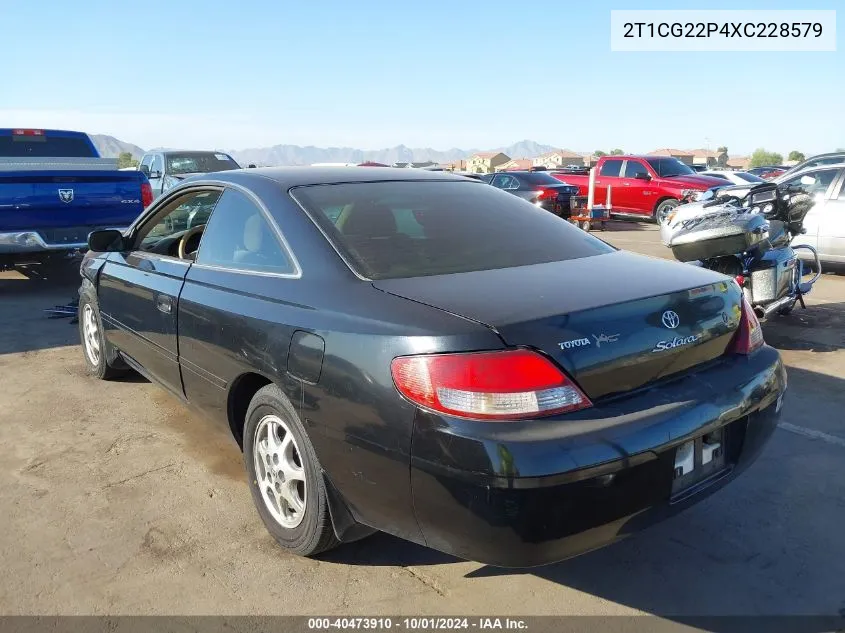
point(49, 204)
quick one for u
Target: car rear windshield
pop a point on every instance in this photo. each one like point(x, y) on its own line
point(668, 167)
point(749, 177)
point(199, 162)
point(389, 230)
point(539, 178)
point(45, 146)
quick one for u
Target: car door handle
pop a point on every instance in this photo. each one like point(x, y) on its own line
point(164, 304)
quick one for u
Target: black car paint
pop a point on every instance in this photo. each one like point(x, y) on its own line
point(530, 191)
point(326, 338)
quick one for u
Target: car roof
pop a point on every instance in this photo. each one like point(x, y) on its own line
point(289, 177)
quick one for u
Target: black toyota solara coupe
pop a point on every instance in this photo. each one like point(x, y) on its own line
point(422, 354)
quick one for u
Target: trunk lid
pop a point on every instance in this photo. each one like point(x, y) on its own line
point(56, 199)
point(614, 322)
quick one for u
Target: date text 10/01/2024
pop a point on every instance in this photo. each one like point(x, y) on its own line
point(417, 624)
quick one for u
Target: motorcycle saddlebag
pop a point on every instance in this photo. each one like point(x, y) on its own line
point(772, 275)
point(718, 235)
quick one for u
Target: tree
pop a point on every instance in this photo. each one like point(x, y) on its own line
point(126, 160)
point(761, 157)
point(598, 153)
point(722, 158)
point(616, 152)
point(797, 156)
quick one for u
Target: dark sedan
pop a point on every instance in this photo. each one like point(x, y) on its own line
point(422, 354)
point(538, 187)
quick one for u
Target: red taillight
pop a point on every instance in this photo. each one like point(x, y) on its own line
point(146, 194)
point(28, 132)
point(503, 385)
point(740, 280)
point(749, 335)
point(547, 194)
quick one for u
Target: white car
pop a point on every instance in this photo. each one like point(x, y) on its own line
point(733, 177)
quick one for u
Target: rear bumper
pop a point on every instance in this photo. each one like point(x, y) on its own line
point(35, 241)
point(522, 495)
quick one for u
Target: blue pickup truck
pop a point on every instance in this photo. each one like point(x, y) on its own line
point(55, 189)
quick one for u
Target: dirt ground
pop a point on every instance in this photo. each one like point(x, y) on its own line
point(116, 500)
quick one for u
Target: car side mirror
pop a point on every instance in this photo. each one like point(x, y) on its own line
point(251, 166)
point(145, 169)
point(106, 241)
point(154, 174)
point(642, 176)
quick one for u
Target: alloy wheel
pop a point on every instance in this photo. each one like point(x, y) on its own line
point(91, 334)
point(279, 472)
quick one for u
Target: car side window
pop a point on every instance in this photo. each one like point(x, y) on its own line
point(157, 165)
point(813, 182)
point(611, 168)
point(500, 181)
point(161, 234)
point(842, 189)
point(146, 161)
point(239, 236)
point(632, 168)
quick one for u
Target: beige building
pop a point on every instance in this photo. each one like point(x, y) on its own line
point(486, 162)
point(559, 158)
point(704, 157)
point(516, 164)
point(682, 155)
point(739, 163)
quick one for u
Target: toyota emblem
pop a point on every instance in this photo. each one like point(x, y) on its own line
point(670, 319)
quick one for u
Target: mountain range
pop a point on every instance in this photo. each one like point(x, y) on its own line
point(110, 147)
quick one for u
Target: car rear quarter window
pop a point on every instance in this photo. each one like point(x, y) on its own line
point(611, 168)
point(238, 235)
point(389, 230)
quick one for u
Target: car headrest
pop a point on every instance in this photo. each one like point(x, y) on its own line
point(373, 220)
point(254, 233)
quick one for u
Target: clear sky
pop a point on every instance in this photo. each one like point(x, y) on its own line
point(379, 73)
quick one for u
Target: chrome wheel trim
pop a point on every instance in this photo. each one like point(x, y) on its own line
point(90, 334)
point(663, 212)
point(278, 471)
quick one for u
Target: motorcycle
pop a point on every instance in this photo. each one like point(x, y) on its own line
point(746, 232)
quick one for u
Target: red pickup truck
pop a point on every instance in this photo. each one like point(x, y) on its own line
point(642, 186)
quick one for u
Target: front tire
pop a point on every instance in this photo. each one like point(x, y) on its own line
point(285, 477)
point(664, 208)
point(99, 357)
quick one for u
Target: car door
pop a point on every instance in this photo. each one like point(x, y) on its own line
point(609, 176)
point(235, 303)
point(156, 176)
point(633, 192)
point(138, 289)
point(809, 193)
point(831, 223)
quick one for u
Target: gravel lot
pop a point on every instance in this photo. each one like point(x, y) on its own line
point(117, 500)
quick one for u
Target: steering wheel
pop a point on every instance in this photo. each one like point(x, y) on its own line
point(187, 235)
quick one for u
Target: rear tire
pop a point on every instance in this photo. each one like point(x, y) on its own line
point(663, 209)
point(285, 477)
